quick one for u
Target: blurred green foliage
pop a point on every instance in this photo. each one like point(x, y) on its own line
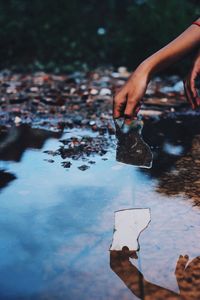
point(65, 34)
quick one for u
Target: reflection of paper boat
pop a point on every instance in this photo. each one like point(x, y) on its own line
point(129, 223)
point(131, 149)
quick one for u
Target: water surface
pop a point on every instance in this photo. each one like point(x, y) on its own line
point(56, 224)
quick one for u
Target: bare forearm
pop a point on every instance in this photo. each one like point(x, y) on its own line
point(173, 51)
point(126, 101)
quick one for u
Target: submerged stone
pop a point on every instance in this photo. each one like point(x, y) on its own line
point(49, 160)
point(83, 167)
point(66, 164)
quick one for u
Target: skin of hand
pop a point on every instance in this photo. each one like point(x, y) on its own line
point(188, 277)
point(189, 83)
point(120, 263)
point(127, 99)
point(180, 267)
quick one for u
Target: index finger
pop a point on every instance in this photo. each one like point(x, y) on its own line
point(193, 84)
point(119, 104)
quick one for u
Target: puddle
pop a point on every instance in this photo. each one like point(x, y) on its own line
point(56, 223)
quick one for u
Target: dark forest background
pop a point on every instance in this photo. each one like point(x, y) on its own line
point(66, 35)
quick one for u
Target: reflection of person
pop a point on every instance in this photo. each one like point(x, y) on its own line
point(126, 100)
point(188, 278)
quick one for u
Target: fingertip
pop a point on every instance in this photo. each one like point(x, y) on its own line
point(116, 115)
point(130, 111)
point(116, 111)
point(127, 121)
point(193, 90)
point(198, 100)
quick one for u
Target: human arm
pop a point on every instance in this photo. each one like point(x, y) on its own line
point(127, 99)
point(190, 82)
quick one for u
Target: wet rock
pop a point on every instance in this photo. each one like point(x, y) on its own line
point(83, 147)
point(83, 167)
point(17, 120)
point(94, 92)
point(34, 89)
point(123, 72)
point(77, 120)
point(92, 162)
point(92, 123)
point(51, 152)
point(79, 93)
point(49, 160)
point(105, 92)
point(66, 164)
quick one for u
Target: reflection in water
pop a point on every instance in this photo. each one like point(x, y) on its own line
point(187, 275)
point(69, 217)
point(15, 142)
point(5, 178)
point(131, 148)
point(129, 223)
point(185, 176)
point(176, 165)
point(176, 132)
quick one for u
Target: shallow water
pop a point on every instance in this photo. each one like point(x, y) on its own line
point(56, 224)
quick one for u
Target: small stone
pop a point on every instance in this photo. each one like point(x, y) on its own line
point(94, 92)
point(115, 74)
point(34, 89)
point(105, 91)
point(72, 91)
point(123, 72)
point(17, 120)
point(83, 167)
point(49, 160)
point(92, 123)
point(66, 164)
point(51, 152)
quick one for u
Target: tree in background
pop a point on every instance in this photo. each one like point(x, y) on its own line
point(67, 33)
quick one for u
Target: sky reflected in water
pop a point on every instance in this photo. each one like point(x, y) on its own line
point(56, 228)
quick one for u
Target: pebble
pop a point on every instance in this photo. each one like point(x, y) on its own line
point(83, 167)
point(49, 160)
point(66, 164)
point(17, 120)
point(105, 92)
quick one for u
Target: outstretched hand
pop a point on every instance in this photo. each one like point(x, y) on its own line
point(127, 99)
point(190, 83)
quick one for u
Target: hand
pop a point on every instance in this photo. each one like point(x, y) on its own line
point(189, 84)
point(181, 266)
point(127, 100)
